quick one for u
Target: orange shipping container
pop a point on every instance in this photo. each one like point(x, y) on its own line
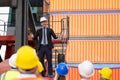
point(74, 74)
point(82, 25)
point(78, 5)
point(97, 51)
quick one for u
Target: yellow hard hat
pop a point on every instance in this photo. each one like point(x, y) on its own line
point(106, 73)
point(27, 58)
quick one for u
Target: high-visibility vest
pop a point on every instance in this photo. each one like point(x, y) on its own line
point(30, 79)
point(9, 75)
point(24, 76)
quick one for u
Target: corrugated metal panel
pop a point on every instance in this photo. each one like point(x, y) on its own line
point(74, 74)
point(97, 51)
point(77, 5)
point(91, 24)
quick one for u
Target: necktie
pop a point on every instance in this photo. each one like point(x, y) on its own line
point(44, 36)
point(46, 40)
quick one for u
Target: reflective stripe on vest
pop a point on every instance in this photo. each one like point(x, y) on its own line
point(29, 79)
point(9, 75)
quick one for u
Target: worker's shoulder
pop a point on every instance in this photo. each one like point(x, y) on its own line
point(39, 78)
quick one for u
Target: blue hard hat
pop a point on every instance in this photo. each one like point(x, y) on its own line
point(62, 69)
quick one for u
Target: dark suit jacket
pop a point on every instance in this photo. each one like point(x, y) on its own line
point(50, 34)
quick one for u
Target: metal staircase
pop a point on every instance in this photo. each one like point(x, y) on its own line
point(61, 43)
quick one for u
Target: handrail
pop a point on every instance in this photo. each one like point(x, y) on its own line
point(2, 20)
point(68, 35)
point(56, 54)
point(5, 23)
point(32, 26)
point(31, 20)
point(62, 26)
point(64, 35)
point(65, 30)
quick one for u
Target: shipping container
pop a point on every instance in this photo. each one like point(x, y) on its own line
point(97, 51)
point(82, 25)
point(94, 30)
point(78, 5)
point(74, 74)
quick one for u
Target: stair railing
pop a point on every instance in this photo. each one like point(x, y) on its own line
point(65, 32)
point(56, 58)
point(64, 35)
point(4, 30)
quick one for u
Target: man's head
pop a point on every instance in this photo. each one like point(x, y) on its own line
point(62, 69)
point(12, 60)
point(44, 21)
point(86, 69)
point(106, 73)
point(27, 59)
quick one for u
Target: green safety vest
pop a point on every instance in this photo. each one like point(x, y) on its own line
point(9, 75)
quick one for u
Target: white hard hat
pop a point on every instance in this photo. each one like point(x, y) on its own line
point(86, 69)
point(43, 19)
point(12, 60)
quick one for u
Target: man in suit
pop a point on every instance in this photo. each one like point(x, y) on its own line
point(45, 35)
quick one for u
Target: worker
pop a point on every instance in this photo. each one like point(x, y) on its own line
point(28, 64)
point(86, 70)
point(13, 72)
point(105, 73)
point(45, 35)
point(62, 71)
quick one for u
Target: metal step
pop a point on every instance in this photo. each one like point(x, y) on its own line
point(60, 51)
point(59, 45)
